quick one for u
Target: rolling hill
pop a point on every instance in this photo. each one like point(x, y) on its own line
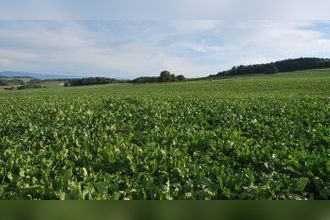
point(21, 74)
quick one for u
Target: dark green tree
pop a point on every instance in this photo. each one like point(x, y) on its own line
point(173, 78)
point(279, 66)
point(89, 81)
point(180, 78)
point(165, 76)
point(270, 68)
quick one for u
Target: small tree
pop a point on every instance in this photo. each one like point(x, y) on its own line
point(180, 78)
point(165, 76)
point(173, 78)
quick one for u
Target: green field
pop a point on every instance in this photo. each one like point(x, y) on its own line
point(254, 137)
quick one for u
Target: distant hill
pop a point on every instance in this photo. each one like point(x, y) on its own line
point(288, 65)
point(18, 74)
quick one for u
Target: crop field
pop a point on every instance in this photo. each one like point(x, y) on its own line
point(256, 137)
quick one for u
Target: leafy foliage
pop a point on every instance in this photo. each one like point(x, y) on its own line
point(238, 139)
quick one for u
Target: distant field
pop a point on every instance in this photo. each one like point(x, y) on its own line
point(24, 79)
point(252, 137)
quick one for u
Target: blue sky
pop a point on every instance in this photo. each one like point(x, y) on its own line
point(127, 49)
point(164, 9)
point(130, 38)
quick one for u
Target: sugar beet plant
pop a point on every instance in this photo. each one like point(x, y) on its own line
point(96, 146)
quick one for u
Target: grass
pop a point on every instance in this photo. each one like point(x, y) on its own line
point(256, 137)
point(311, 82)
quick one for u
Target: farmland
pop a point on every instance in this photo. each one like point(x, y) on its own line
point(251, 137)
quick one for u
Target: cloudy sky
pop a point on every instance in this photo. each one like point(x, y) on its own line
point(61, 37)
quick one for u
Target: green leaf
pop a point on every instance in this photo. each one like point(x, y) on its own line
point(301, 184)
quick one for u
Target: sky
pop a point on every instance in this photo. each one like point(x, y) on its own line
point(125, 39)
point(164, 9)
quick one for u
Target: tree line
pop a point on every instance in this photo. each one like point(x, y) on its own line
point(279, 66)
point(165, 76)
point(89, 81)
point(11, 82)
point(19, 84)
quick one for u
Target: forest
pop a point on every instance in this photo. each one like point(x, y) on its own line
point(287, 65)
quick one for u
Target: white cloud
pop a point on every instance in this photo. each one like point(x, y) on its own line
point(192, 26)
point(71, 48)
point(131, 49)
